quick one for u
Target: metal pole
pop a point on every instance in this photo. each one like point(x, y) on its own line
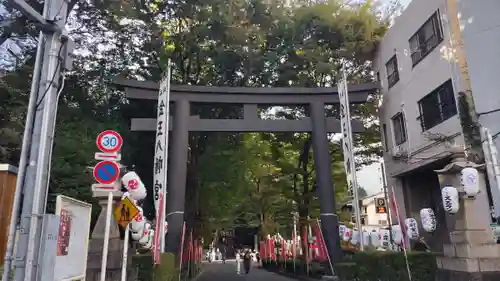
point(386, 196)
point(349, 150)
point(493, 169)
point(106, 237)
point(295, 241)
point(37, 174)
point(23, 159)
point(125, 253)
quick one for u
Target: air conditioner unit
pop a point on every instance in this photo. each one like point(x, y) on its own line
point(398, 152)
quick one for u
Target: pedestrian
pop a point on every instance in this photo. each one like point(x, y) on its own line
point(238, 259)
point(257, 255)
point(247, 261)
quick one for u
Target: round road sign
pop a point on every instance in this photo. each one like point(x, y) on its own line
point(109, 141)
point(106, 172)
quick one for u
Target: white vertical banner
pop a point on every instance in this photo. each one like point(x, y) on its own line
point(347, 147)
point(160, 158)
point(168, 79)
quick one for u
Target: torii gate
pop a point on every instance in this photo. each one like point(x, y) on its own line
point(182, 122)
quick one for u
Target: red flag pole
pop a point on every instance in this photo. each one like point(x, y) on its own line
point(182, 249)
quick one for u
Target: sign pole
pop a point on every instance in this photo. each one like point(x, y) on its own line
point(167, 118)
point(106, 237)
point(349, 161)
point(107, 173)
point(125, 253)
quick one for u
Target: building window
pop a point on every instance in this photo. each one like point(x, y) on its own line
point(437, 106)
point(382, 222)
point(386, 140)
point(392, 71)
point(426, 39)
point(398, 124)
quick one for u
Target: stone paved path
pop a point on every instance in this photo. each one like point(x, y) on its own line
point(227, 272)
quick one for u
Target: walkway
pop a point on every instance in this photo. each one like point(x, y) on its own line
point(227, 272)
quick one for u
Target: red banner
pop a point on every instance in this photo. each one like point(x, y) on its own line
point(272, 252)
point(262, 249)
point(157, 238)
point(322, 254)
point(395, 206)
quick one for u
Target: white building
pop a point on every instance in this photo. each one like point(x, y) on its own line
point(370, 218)
point(420, 79)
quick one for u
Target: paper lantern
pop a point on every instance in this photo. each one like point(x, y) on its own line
point(341, 230)
point(385, 238)
point(137, 224)
point(469, 179)
point(145, 237)
point(366, 238)
point(355, 237)
point(149, 242)
point(450, 199)
point(134, 185)
point(428, 219)
point(412, 228)
point(136, 235)
point(347, 234)
point(397, 235)
point(375, 238)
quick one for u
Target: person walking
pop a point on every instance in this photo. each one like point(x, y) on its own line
point(238, 259)
point(247, 261)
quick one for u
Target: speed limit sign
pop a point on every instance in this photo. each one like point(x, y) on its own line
point(109, 141)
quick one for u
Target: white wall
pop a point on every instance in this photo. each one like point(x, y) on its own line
point(481, 37)
point(415, 83)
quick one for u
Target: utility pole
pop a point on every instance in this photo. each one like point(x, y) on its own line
point(386, 196)
point(466, 109)
point(34, 167)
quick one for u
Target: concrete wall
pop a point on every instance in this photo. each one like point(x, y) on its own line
point(481, 36)
point(414, 83)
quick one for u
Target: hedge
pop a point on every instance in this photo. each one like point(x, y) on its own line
point(387, 266)
point(366, 266)
point(166, 271)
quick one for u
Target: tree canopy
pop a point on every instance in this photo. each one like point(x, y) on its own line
point(254, 179)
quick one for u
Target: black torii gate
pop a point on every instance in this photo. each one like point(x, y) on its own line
point(182, 123)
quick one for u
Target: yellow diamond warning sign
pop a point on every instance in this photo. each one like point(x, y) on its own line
point(125, 212)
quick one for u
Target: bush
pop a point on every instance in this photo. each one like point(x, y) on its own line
point(144, 265)
point(387, 266)
point(364, 266)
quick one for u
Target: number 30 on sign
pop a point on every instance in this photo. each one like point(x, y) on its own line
point(109, 141)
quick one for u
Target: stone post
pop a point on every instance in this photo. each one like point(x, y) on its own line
point(472, 254)
point(113, 271)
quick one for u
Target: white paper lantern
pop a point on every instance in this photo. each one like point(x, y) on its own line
point(428, 219)
point(450, 199)
point(412, 228)
point(366, 238)
point(469, 179)
point(397, 235)
point(341, 230)
point(375, 238)
point(137, 224)
point(347, 234)
point(149, 243)
point(385, 238)
point(355, 237)
point(134, 185)
point(145, 237)
point(136, 235)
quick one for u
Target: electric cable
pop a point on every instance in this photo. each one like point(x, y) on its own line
point(51, 80)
